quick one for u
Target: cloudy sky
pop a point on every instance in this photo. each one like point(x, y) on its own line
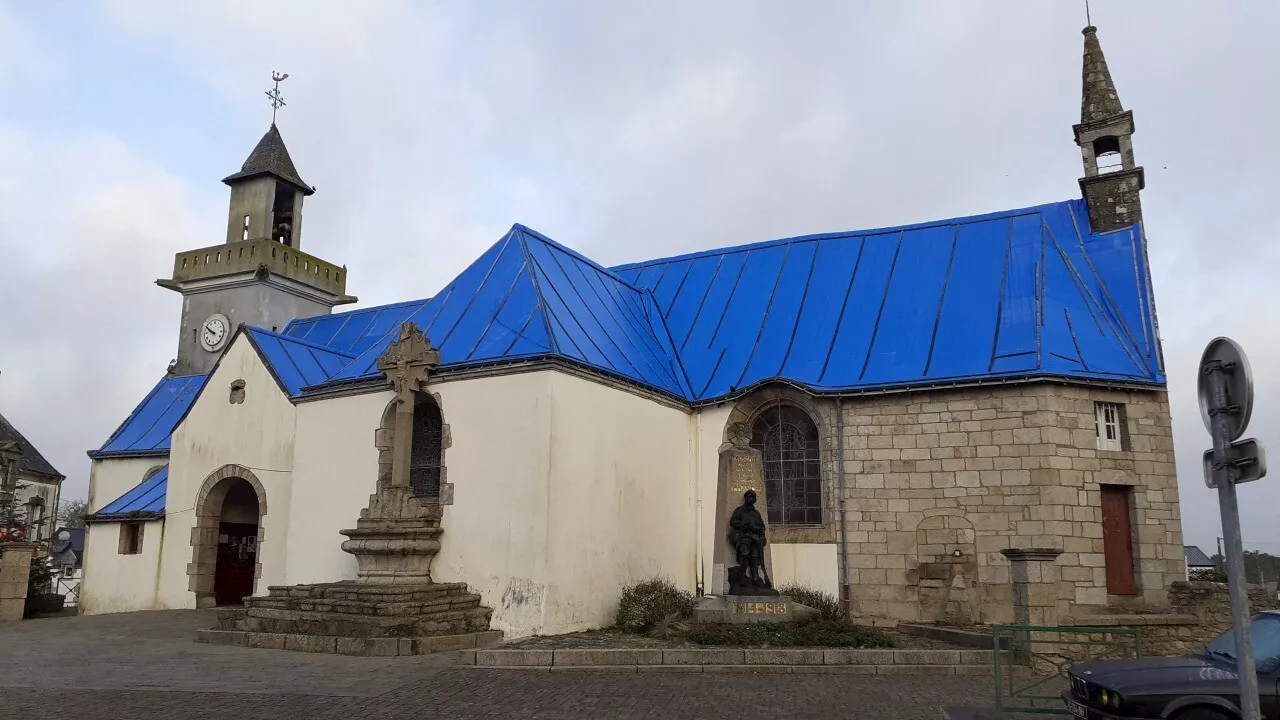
point(626, 131)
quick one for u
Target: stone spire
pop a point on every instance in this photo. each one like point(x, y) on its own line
point(1100, 99)
point(1112, 180)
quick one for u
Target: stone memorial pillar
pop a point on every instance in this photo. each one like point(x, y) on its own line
point(1035, 595)
point(741, 469)
point(15, 570)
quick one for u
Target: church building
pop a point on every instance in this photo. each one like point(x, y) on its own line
point(920, 398)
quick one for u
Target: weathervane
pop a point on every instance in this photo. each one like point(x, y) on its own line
point(277, 101)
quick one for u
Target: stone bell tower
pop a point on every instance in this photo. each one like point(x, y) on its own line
point(1112, 181)
point(258, 276)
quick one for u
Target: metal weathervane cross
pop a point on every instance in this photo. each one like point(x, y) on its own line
point(277, 100)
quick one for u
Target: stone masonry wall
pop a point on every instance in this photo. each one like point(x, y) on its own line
point(937, 483)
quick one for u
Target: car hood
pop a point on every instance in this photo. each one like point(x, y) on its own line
point(1189, 675)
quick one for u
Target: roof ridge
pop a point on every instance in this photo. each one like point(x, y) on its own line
point(608, 272)
point(866, 232)
point(305, 343)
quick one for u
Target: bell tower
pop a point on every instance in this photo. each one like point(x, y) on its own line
point(1112, 181)
point(258, 276)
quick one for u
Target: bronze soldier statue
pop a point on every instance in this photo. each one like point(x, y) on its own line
point(747, 536)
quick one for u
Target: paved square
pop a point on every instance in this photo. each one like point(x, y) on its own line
point(146, 665)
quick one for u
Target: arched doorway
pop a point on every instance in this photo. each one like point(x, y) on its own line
point(227, 538)
point(237, 560)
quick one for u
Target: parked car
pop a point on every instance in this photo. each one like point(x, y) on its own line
point(1200, 687)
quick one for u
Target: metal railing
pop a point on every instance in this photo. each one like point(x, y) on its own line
point(1031, 675)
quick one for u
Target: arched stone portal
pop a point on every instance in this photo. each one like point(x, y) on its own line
point(227, 538)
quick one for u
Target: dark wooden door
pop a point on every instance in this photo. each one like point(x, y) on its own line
point(237, 558)
point(1117, 540)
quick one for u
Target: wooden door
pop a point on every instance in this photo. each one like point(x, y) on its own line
point(237, 558)
point(1117, 540)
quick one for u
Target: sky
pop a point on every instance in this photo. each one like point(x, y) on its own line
point(626, 131)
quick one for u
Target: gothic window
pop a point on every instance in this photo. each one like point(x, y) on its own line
point(788, 439)
point(428, 440)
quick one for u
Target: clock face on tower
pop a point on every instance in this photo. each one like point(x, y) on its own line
point(213, 334)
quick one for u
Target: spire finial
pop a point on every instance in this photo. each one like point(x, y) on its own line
point(1088, 21)
point(277, 100)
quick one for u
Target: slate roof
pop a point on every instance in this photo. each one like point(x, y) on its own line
point(31, 461)
point(146, 431)
point(297, 363)
point(146, 499)
point(1196, 557)
point(270, 157)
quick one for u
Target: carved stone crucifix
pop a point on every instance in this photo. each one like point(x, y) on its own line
point(407, 363)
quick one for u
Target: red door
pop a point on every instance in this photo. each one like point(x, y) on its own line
point(1117, 540)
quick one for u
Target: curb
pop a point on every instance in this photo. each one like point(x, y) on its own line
point(357, 646)
point(787, 661)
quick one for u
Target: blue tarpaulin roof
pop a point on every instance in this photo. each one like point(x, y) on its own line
point(146, 431)
point(297, 363)
point(355, 330)
point(147, 497)
point(1025, 293)
point(530, 297)
point(1018, 293)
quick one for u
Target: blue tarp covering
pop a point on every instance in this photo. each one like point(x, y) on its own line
point(146, 431)
point(353, 331)
point(147, 497)
point(295, 362)
point(530, 297)
point(1025, 292)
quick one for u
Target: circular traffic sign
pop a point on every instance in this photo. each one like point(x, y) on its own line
point(1224, 353)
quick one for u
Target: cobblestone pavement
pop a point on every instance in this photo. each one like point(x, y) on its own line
point(145, 665)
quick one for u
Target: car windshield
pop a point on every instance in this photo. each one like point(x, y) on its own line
point(1264, 630)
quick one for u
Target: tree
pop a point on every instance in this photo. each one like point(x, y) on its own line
point(71, 513)
point(13, 518)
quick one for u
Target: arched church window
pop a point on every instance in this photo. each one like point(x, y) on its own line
point(428, 442)
point(788, 439)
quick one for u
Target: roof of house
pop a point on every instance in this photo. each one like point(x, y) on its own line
point(31, 461)
point(1196, 557)
point(74, 541)
point(147, 499)
point(147, 429)
point(1021, 294)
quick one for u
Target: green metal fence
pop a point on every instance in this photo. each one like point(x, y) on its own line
point(1031, 672)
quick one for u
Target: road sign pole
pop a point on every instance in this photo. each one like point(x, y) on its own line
point(1249, 707)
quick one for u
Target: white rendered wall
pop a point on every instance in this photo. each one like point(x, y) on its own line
point(811, 565)
point(335, 471)
point(120, 583)
point(112, 477)
point(257, 434)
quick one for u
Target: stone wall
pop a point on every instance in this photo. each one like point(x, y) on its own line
point(938, 483)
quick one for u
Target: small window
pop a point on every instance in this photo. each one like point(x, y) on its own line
point(1108, 420)
point(245, 234)
point(130, 538)
point(237, 392)
point(1106, 153)
point(68, 571)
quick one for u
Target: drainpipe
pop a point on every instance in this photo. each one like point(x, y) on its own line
point(844, 533)
point(697, 506)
